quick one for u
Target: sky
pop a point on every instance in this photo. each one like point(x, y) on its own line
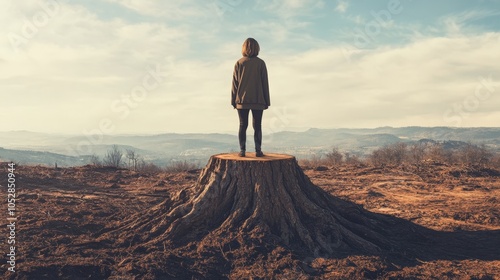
point(149, 66)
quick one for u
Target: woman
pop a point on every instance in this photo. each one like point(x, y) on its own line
point(250, 91)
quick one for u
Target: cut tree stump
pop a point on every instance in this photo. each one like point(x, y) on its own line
point(267, 200)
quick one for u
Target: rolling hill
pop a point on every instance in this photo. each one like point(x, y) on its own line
point(42, 148)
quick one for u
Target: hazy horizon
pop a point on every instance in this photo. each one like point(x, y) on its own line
point(151, 67)
point(235, 133)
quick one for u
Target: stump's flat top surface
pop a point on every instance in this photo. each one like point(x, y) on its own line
point(252, 157)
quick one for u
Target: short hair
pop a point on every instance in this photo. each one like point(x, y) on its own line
point(250, 48)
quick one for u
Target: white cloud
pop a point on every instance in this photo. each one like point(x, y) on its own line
point(172, 10)
point(458, 23)
point(413, 84)
point(77, 64)
point(290, 4)
point(290, 8)
point(342, 6)
point(67, 75)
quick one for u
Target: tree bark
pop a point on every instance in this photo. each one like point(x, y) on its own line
point(270, 199)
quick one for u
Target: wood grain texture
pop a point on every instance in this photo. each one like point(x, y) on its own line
point(267, 200)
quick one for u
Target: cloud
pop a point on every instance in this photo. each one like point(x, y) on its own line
point(290, 8)
point(77, 64)
point(413, 84)
point(342, 6)
point(172, 10)
point(458, 23)
point(66, 76)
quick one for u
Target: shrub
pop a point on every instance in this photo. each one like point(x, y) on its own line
point(147, 167)
point(495, 161)
point(417, 152)
point(95, 160)
point(133, 159)
point(179, 166)
point(114, 157)
point(394, 154)
point(437, 152)
point(473, 155)
point(314, 160)
point(334, 157)
point(352, 159)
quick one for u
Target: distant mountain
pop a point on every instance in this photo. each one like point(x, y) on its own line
point(22, 138)
point(363, 141)
point(36, 157)
point(163, 148)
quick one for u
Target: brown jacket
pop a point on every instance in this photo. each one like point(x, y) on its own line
point(250, 85)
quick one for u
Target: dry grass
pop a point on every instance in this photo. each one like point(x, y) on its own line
point(64, 212)
point(398, 154)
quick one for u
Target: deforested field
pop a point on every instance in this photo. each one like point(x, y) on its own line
point(67, 218)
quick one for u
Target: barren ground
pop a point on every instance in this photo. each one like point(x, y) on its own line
point(62, 214)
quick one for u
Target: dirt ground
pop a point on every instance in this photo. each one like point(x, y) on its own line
point(63, 213)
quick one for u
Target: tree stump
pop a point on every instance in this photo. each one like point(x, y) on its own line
point(267, 198)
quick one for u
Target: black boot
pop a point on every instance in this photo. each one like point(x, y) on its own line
point(258, 142)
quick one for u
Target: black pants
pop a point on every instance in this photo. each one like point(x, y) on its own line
point(257, 127)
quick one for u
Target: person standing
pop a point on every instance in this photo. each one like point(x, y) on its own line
point(250, 92)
